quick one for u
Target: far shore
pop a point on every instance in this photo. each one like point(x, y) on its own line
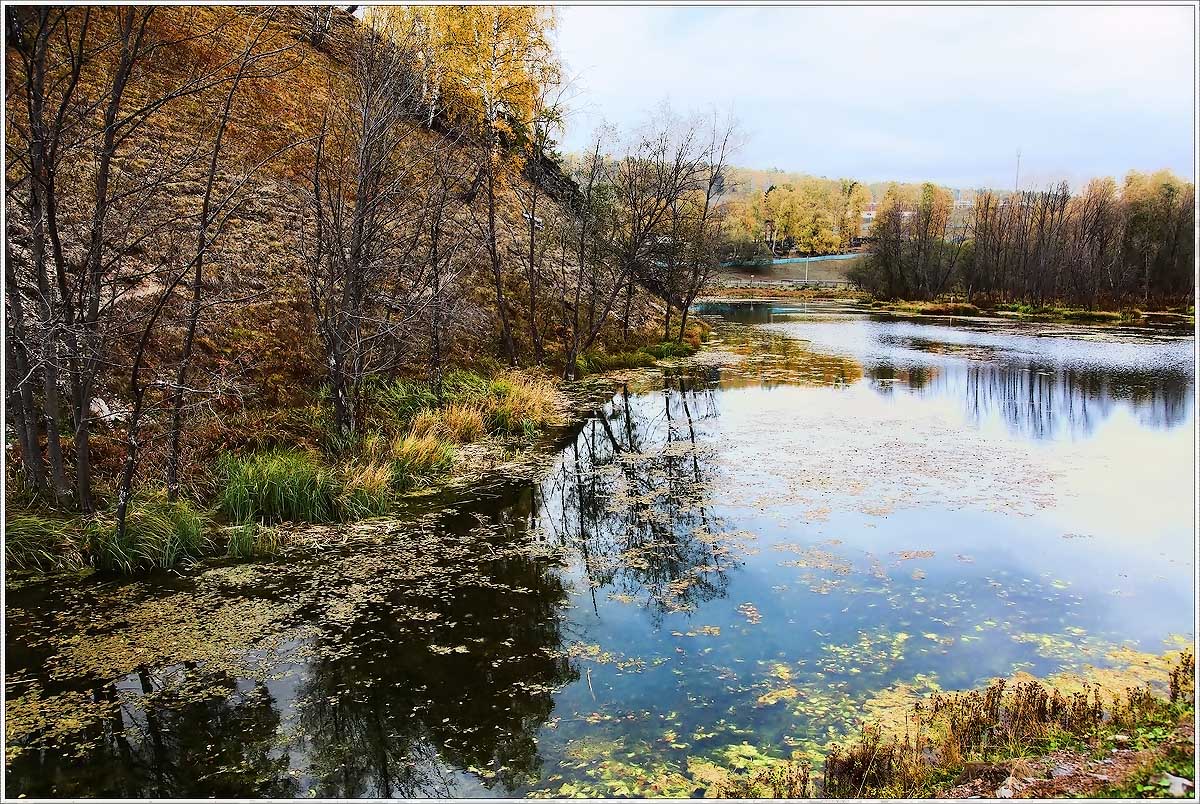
point(1182, 317)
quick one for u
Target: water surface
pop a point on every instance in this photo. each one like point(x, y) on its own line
point(827, 514)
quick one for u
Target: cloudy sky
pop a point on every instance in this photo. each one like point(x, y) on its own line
point(892, 93)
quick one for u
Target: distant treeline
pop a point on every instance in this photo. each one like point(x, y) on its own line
point(1110, 246)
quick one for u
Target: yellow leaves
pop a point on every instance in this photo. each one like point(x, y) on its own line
point(781, 671)
point(750, 612)
point(489, 61)
point(704, 630)
point(775, 696)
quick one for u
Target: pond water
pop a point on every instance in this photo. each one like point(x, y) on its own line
point(820, 518)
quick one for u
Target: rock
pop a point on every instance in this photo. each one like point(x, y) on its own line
point(1121, 739)
point(1006, 790)
point(1176, 786)
point(1062, 770)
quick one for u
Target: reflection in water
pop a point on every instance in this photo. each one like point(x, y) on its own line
point(465, 683)
point(1041, 387)
point(202, 734)
point(629, 496)
point(739, 559)
point(419, 668)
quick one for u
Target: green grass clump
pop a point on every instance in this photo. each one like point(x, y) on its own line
point(671, 349)
point(463, 387)
point(277, 485)
point(253, 540)
point(403, 399)
point(34, 541)
point(594, 362)
point(158, 535)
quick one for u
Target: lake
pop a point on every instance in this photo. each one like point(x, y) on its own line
point(824, 516)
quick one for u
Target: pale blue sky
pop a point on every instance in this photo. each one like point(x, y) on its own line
point(939, 93)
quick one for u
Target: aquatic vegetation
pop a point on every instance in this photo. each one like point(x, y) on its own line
point(252, 540)
point(876, 651)
point(34, 721)
point(750, 612)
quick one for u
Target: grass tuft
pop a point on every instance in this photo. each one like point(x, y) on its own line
point(417, 459)
point(668, 349)
point(253, 540)
point(277, 485)
point(521, 405)
point(34, 541)
point(158, 535)
point(366, 490)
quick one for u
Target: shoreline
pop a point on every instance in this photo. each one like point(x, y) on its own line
point(1169, 320)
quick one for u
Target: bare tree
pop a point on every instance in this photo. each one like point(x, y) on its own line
point(365, 281)
point(86, 216)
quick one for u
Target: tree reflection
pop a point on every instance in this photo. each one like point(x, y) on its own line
point(1040, 400)
point(181, 732)
point(466, 682)
point(630, 496)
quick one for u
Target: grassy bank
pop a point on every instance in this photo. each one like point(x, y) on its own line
point(1021, 739)
point(286, 465)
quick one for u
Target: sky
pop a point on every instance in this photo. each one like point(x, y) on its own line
point(944, 94)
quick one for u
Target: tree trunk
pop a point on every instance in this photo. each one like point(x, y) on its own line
point(494, 252)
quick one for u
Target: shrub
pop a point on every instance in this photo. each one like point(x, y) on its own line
point(158, 535)
point(277, 485)
point(416, 459)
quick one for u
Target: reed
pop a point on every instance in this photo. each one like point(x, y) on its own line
point(366, 490)
point(253, 540)
point(417, 459)
point(277, 485)
point(158, 534)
